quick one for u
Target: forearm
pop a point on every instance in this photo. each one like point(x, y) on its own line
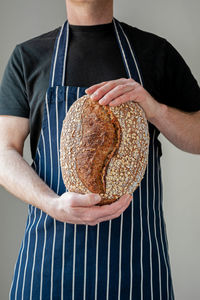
point(21, 180)
point(180, 128)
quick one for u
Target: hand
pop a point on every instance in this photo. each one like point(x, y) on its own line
point(80, 209)
point(116, 92)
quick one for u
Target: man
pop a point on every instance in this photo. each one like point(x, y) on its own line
point(68, 252)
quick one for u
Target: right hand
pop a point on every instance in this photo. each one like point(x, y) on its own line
point(80, 209)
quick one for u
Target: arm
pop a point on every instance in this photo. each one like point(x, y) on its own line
point(22, 181)
point(180, 128)
point(15, 173)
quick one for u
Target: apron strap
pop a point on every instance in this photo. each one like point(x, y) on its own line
point(58, 64)
point(127, 52)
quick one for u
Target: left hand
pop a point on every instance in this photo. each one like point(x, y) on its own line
point(116, 92)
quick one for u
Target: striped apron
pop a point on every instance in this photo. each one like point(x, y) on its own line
point(125, 258)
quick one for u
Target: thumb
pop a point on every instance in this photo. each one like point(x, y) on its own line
point(77, 199)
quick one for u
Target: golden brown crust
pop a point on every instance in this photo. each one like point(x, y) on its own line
point(100, 140)
point(123, 163)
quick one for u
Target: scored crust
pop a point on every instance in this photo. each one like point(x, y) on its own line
point(104, 149)
point(100, 140)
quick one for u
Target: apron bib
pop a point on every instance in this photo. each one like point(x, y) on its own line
point(125, 258)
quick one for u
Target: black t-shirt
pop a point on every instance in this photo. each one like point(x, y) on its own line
point(94, 56)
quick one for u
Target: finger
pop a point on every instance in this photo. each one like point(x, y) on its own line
point(120, 90)
point(101, 91)
point(78, 200)
point(121, 209)
point(113, 216)
point(94, 87)
point(93, 214)
point(97, 212)
point(129, 96)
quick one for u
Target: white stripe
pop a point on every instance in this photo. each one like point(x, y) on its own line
point(27, 253)
point(39, 161)
point(161, 235)
point(64, 232)
point(22, 250)
point(108, 261)
point(141, 244)
point(168, 260)
point(63, 262)
point(166, 242)
point(120, 255)
point(129, 74)
point(52, 259)
point(45, 221)
point(66, 104)
point(57, 139)
point(155, 230)
point(97, 256)
point(85, 262)
point(51, 180)
point(55, 57)
point(58, 184)
point(74, 252)
point(78, 92)
point(44, 155)
point(148, 221)
point(131, 254)
point(50, 148)
point(34, 254)
point(74, 262)
point(36, 237)
point(66, 48)
point(43, 252)
point(132, 55)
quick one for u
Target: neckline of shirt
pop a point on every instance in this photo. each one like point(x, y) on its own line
point(92, 28)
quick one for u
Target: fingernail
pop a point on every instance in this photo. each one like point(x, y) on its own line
point(97, 198)
point(102, 101)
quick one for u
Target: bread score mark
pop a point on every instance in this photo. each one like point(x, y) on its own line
point(101, 137)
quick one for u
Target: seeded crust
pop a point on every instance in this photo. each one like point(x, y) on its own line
point(104, 149)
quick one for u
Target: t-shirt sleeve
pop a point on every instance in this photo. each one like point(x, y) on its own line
point(180, 88)
point(13, 93)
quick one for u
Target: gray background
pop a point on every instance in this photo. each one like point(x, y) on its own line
point(176, 20)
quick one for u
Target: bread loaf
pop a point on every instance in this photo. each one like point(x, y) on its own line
point(103, 149)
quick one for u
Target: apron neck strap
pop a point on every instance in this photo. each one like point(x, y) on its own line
point(127, 52)
point(58, 64)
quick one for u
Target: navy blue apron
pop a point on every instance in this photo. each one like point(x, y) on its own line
point(125, 258)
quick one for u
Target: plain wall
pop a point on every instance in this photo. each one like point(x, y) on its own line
point(177, 21)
